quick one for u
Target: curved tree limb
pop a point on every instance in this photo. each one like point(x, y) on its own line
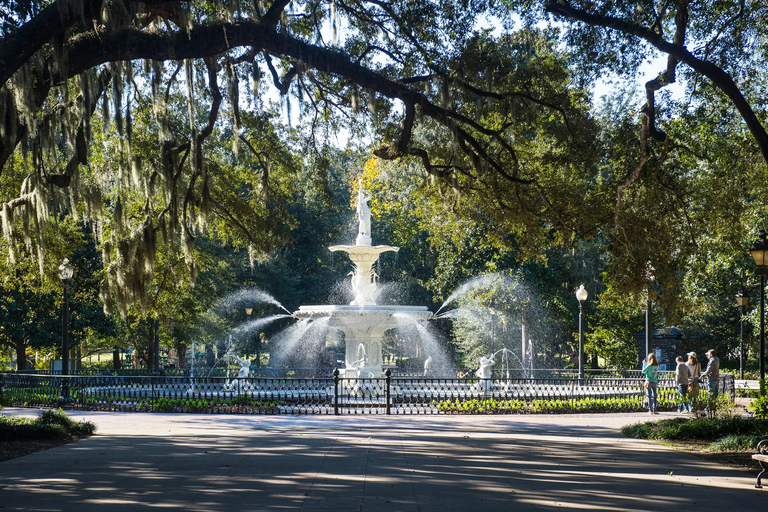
point(719, 77)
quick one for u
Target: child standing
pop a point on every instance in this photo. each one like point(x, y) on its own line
point(651, 371)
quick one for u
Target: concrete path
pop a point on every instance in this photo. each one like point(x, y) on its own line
point(368, 463)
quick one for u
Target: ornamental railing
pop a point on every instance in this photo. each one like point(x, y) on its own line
point(339, 395)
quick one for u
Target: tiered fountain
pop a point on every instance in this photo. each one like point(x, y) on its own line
point(364, 322)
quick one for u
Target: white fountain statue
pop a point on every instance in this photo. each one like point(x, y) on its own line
point(363, 321)
point(364, 370)
point(245, 367)
point(363, 254)
point(484, 374)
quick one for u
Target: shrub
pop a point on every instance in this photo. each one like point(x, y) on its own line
point(58, 417)
point(49, 425)
point(736, 443)
point(702, 429)
point(760, 407)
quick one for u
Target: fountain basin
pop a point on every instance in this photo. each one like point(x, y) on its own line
point(364, 325)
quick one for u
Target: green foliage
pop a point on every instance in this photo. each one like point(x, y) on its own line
point(59, 417)
point(550, 406)
point(204, 405)
point(760, 407)
point(738, 442)
point(702, 429)
point(53, 423)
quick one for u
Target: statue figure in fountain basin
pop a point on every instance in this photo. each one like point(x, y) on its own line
point(364, 370)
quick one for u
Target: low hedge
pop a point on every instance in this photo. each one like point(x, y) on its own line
point(551, 406)
point(727, 433)
point(52, 424)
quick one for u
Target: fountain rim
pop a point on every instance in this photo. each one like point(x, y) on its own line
point(373, 250)
point(332, 310)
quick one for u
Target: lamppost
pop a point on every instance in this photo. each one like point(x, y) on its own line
point(249, 312)
point(156, 349)
point(759, 251)
point(742, 300)
point(649, 270)
point(648, 332)
point(581, 296)
point(66, 271)
point(493, 329)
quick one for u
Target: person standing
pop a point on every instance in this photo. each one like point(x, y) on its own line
point(683, 377)
point(651, 371)
point(693, 388)
point(712, 373)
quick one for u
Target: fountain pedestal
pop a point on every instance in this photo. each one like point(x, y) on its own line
point(363, 277)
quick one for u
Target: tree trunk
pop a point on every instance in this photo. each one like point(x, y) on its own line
point(21, 355)
point(117, 364)
point(151, 333)
point(181, 353)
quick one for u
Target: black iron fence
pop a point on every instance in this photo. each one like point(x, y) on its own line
point(327, 372)
point(337, 394)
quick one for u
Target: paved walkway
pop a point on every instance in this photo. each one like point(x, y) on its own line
point(368, 463)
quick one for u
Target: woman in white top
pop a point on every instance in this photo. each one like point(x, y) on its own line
point(695, 368)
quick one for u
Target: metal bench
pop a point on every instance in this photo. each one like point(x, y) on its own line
point(762, 458)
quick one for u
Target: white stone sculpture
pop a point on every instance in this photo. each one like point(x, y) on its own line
point(363, 216)
point(484, 373)
point(364, 370)
point(245, 366)
point(427, 366)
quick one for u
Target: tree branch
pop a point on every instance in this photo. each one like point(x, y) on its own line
point(717, 75)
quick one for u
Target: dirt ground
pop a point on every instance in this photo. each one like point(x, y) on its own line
point(739, 460)
point(12, 449)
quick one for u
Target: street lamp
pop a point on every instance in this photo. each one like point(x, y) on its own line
point(759, 251)
point(249, 312)
point(742, 300)
point(493, 330)
point(66, 271)
point(156, 349)
point(649, 271)
point(581, 296)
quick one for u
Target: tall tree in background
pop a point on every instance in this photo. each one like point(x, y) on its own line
point(705, 150)
point(161, 85)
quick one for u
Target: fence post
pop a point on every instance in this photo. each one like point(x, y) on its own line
point(336, 392)
point(64, 388)
point(388, 379)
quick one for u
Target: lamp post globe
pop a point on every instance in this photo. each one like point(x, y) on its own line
point(248, 308)
point(66, 271)
point(581, 296)
point(759, 252)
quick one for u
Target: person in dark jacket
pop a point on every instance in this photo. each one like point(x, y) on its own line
point(712, 374)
